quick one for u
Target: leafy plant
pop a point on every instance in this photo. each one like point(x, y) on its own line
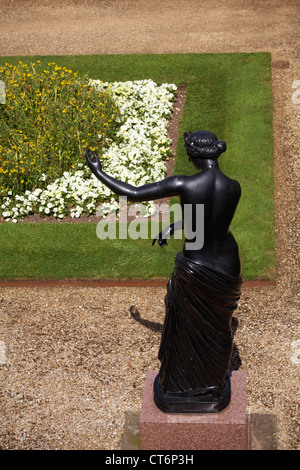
point(135, 154)
point(49, 117)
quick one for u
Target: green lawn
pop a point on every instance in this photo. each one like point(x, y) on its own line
point(228, 94)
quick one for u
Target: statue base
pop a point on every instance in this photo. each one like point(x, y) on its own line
point(225, 430)
point(205, 402)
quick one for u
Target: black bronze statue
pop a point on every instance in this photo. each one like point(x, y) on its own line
point(203, 290)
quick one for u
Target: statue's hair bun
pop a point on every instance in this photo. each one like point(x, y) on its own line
point(203, 144)
point(221, 145)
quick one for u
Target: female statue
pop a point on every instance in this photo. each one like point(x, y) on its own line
point(203, 290)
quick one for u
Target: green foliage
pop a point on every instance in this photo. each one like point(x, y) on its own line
point(228, 94)
point(49, 116)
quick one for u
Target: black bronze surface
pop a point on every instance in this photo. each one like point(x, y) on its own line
point(204, 288)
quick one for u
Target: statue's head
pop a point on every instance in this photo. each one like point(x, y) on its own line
point(203, 145)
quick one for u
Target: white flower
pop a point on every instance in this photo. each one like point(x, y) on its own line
point(136, 157)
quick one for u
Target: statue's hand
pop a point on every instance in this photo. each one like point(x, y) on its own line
point(160, 241)
point(93, 160)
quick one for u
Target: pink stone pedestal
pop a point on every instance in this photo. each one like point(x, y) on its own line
point(227, 430)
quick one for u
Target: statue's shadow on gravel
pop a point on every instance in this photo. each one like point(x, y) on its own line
point(236, 361)
point(152, 325)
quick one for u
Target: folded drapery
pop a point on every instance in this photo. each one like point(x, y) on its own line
point(196, 343)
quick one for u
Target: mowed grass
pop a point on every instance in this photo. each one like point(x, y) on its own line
point(73, 251)
point(228, 94)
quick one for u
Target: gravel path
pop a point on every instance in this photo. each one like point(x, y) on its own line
point(74, 360)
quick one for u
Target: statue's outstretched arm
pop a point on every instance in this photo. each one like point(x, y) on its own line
point(167, 232)
point(171, 186)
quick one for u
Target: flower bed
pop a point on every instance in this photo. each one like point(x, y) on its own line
point(134, 152)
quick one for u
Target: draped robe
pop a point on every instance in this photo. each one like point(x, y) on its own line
point(197, 340)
